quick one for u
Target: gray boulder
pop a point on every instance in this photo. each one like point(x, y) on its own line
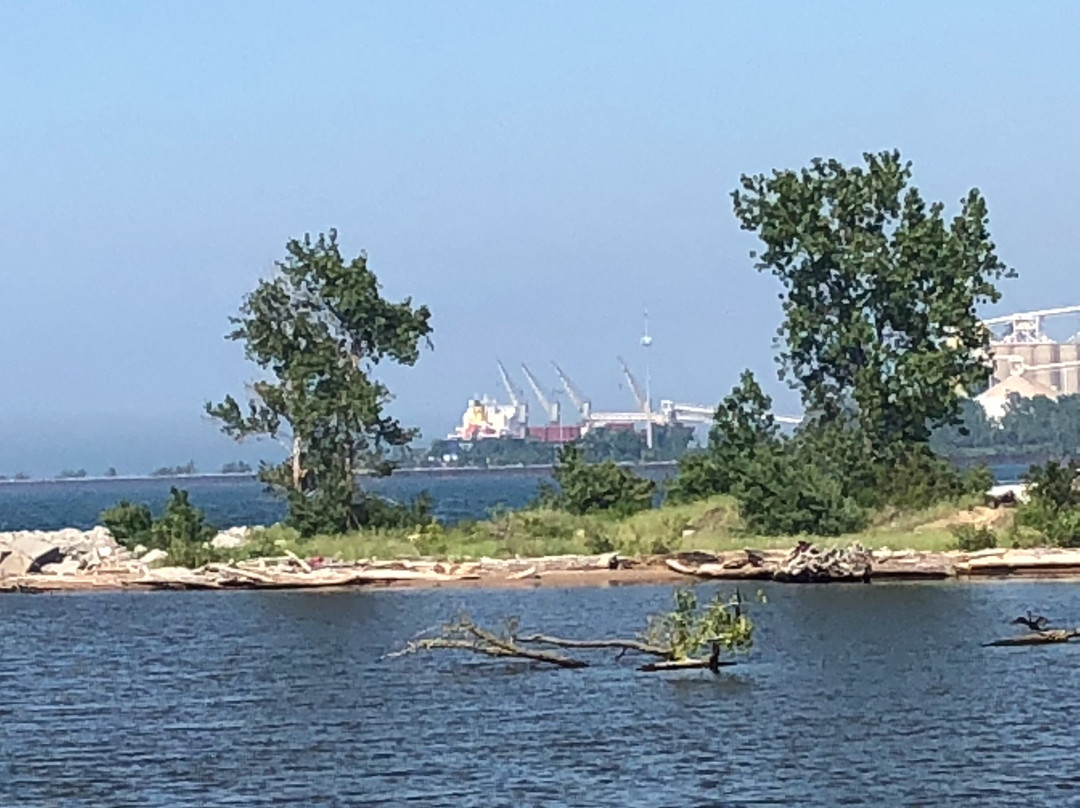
point(28, 552)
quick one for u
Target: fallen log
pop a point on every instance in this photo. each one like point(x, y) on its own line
point(713, 663)
point(306, 567)
point(625, 645)
point(1037, 638)
point(685, 664)
point(747, 572)
point(465, 635)
point(492, 650)
point(251, 575)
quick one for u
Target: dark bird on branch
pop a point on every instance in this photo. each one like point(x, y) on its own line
point(1034, 622)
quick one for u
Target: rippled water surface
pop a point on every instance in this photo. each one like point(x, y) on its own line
point(228, 501)
point(855, 695)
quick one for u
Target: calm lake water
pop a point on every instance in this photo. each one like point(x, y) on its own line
point(51, 505)
point(229, 501)
point(855, 695)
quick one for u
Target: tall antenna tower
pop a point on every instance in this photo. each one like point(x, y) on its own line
point(646, 341)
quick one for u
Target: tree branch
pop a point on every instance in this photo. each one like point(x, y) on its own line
point(626, 645)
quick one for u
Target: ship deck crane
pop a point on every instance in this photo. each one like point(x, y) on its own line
point(517, 400)
point(581, 404)
point(635, 388)
point(551, 408)
point(512, 392)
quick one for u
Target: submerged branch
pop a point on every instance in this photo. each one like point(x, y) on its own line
point(625, 645)
point(674, 638)
point(500, 650)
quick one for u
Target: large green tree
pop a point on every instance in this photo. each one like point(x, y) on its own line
point(880, 292)
point(317, 328)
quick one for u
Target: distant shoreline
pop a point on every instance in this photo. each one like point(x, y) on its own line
point(402, 472)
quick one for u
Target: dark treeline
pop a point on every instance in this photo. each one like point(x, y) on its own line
point(1032, 430)
point(598, 446)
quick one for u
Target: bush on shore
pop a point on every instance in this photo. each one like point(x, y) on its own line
point(585, 487)
point(1053, 506)
point(181, 530)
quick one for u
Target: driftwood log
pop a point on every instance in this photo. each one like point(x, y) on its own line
point(807, 563)
point(1037, 638)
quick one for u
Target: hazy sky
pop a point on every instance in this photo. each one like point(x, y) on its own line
point(536, 173)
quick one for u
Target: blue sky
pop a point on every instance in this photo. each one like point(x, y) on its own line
point(536, 173)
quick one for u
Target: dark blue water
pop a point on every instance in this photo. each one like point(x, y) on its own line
point(240, 501)
point(855, 695)
point(229, 501)
point(51, 505)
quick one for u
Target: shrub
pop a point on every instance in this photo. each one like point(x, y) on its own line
point(128, 523)
point(970, 538)
point(781, 497)
point(1053, 506)
point(182, 530)
point(699, 476)
point(596, 487)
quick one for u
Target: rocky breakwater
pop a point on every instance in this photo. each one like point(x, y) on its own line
point(58, 552)
point(94, 552)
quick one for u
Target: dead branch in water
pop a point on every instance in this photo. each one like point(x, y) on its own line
point(674, 637)
point(464, 635)
point(1037, 638)
point(625, 645)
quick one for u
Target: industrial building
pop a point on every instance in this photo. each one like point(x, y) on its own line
point(1027, 362)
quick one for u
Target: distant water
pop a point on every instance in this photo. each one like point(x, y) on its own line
point(855, 695)
point(230, 501)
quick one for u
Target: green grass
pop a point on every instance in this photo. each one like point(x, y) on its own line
point(710, 525)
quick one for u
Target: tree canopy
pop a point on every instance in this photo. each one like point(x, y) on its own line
point(879, 292)
point(317, 328)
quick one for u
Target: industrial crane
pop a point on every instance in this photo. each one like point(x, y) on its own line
point(635, 388)
point(1026, 326)
point(581, 404)
point(516, 399)
point(551, 408)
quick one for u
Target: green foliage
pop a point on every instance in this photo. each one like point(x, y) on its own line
point(617, 445)
point(596, 487)
point(780, 486)
point(181, 522)
point(110, 472)
point(880, 292)
point(71, 474)
point(318, 328)
point(743, 434)
point(1053, 506)
point(911, 476)
point(181, 530)
point(236, 467)
point(493, 452)
point(970, 538)
point(781, 496)
point(128, 523)
point(378, 512)
point(689, 630)
point(1031, 426)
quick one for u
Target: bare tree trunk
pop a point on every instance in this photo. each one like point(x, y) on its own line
point(297, 468)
